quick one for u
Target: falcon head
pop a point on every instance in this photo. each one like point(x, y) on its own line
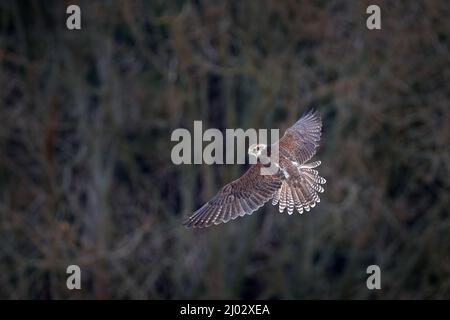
point(257, 150)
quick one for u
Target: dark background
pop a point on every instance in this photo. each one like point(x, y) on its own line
point(86, 176)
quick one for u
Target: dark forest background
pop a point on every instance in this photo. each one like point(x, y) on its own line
point(86, 176)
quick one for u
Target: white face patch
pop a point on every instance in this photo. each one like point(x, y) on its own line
point(256, 149)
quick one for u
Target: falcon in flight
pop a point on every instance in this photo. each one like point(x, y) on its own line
point(295, 185)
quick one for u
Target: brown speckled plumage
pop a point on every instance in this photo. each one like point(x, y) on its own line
point(294, 187)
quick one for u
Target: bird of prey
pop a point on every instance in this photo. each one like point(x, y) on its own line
point(294, 186)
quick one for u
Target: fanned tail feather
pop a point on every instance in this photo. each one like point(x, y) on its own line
point(300, 193)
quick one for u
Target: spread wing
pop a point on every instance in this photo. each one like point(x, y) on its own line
point(299, 144)
point(238, 198)
point(302, 139)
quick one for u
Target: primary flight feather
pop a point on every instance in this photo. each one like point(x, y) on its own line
point(295, 186)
